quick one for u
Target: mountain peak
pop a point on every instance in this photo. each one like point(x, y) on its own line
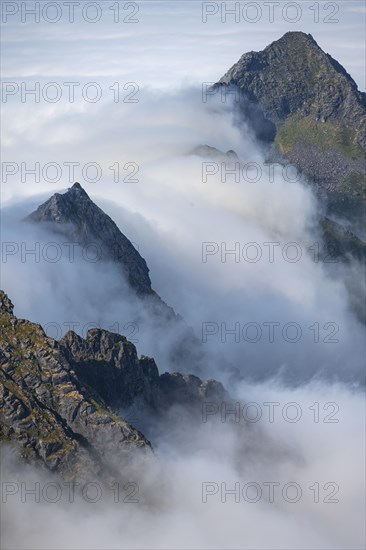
point(77, 186)
point(296, 36)
point(78, 190)
point(76, 216)
point(310, 107)
point(293, 75)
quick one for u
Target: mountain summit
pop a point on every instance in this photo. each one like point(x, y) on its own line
point(295, 76)
point(81, 220)
point(313, 111)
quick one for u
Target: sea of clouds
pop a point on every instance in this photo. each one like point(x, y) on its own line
point(169, 212)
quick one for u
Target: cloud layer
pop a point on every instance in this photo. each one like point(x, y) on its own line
point(169, 213)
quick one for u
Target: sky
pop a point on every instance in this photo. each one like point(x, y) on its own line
point(137, 114)
point(180, 42)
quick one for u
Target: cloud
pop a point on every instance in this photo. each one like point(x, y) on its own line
point(170, 211)
point(318, 465)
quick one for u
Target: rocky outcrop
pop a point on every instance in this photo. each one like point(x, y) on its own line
point(312, 110)
point(182, 389)
point(59, 401)
point(45, 410)
point(108, 363)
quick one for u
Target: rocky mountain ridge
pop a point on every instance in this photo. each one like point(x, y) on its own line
point(59, 401)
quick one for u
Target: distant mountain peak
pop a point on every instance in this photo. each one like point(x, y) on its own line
point(75, 215)
point(82, 221)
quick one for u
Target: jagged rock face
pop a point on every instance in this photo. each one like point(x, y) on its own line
point(109, 364)
point(47, 412)
point(6, 304)
point(59, 400)
point(83, 222)
point(318, 113)
point(342, 244)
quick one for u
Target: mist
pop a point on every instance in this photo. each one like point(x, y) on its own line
point(248, 238)
point(176, 505)
point(168, 214)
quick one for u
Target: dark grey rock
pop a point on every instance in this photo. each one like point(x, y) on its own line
point(109, 364)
